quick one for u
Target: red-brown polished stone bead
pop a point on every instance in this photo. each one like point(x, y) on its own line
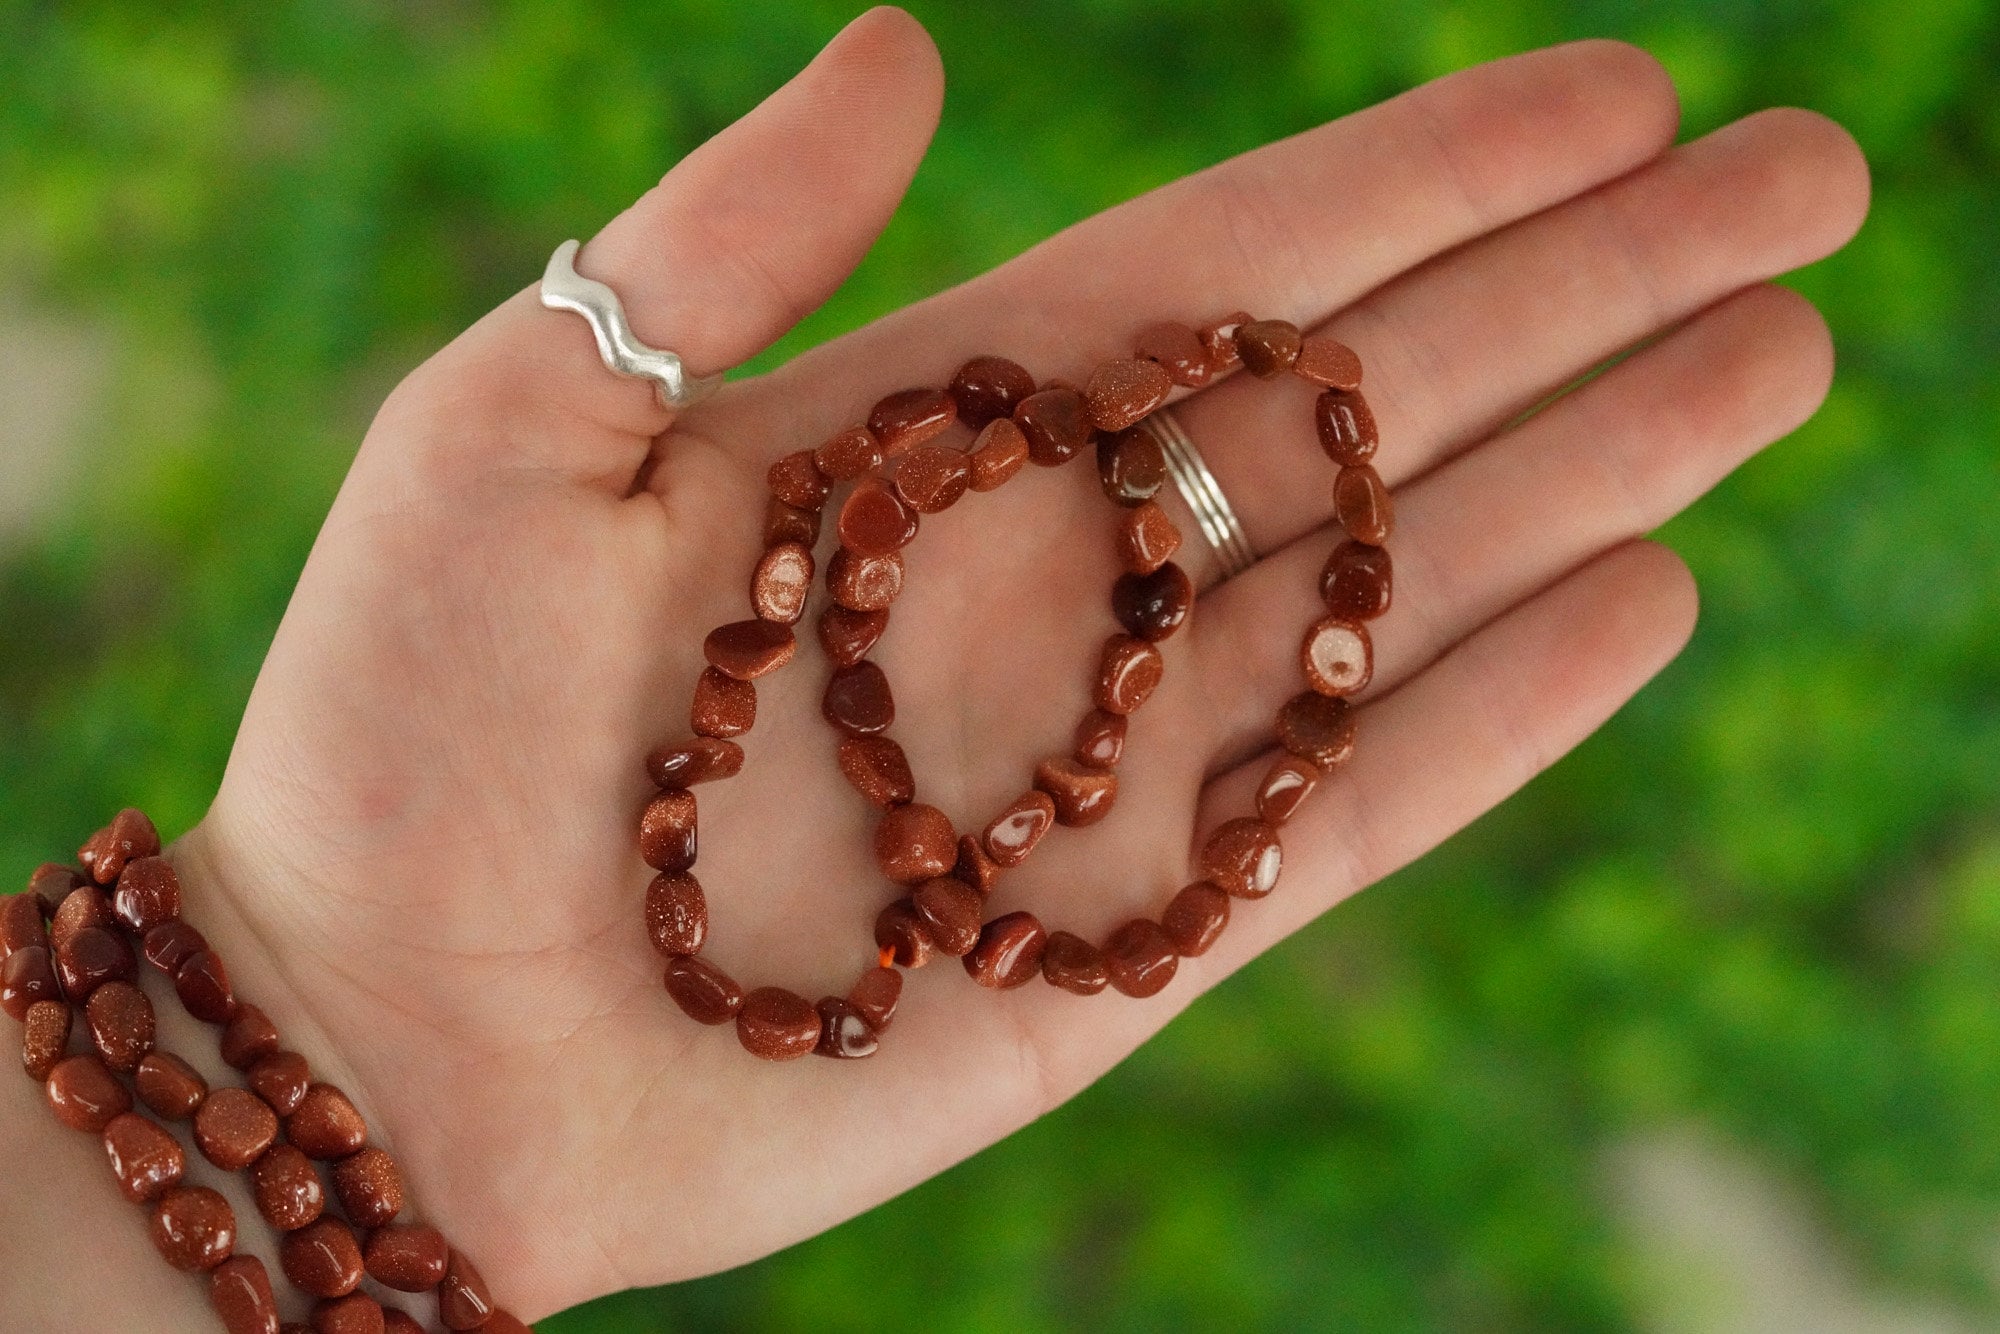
point(85, 1095)
point(120, 1020)
point(704, 992)
point(370, 1187)
point(747, 650)
point(1056, 424)
point(326, 1126)
point(676, 914)
point(194, 1228)
point(789, 523)
point(287, 1189)
point(171, 1087)
point(1127, 674)
point(1194, 918)
point(1361, 503)
point(356, 1313)
point(1152, 606)
point(932, 478)
point(86, 906)
point(848, 635)
point(234, 1127)
point(146, 1161)
point(1082, 793)
point(1074, 964)
point(1100, 739)
point(148, 894)
point(986, 388)
point(899, 930)
point(780, 583)
point(848, 454)
point(950, 910)
point(1009, 952)
point(463, 1301)
point(973, 866)
point(1356, 581)
point(668, 831)
point(874, 995)
point(323, 1258)
point(1243, 857)
point(1317, 727)
point(172, 944)
point(44, 1037)
point(878, 769)
point(1219, 341)
point(908, 417)
point(699, 759)
point(858, 700)
point(280, 1079)
point(844, 1032)
point(90, 958)
point(1146, 538)
point(797, 480)
point(1337, 657)
point(1285, 786)
point(202, 983)
point(1346, 427)
point(1328, 362)
point(399, 1322)
point(1131, 467)
point(51, 883)
point(875, 520)
point(130, 834)
point(1120, 392)
point(998, 452)
point(408, 1257)
point(27, 979)
point(777, 1025)
point(864, 583)
point(914, 842)
point(1268, 347)
point(1013, 833)
point(240, 1292)
point(1140, 958)
point(248, 1037)
point(1178, 350)
point(21, 924)
point(723, 706)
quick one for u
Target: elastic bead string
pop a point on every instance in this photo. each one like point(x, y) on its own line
point(946, 876)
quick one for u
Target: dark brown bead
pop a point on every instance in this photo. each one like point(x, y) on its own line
point(1346, 427)
point(1013, 833)
point(1074, 964)
point(899, 930)
point(1130, 467)
point(848, 635)
point(1140, 958)
point(908, 417)
point(874, 996)
point(240, 1292)
point(848, 454)
point(1152, 606)
point(322, 1259)
point(463, 1301)
point(409, 1257)
point(21, 924)
point(120, 1020)
point(1195, 917)
point(148, 894)
point(1127, 674)
point(51, 884)
point(1219, 341)
point(326, 1126)
point(27, 979)
point(1100, 739)
point(1055, 423)
point(858, 700)
point(723, 706)
point(85, 1095)
point(987, 388)
point(878, 769)
point(864, 583)
point(1121, 392)
point(950, 910)
point(1082, 794)
point(248, 1037)
point(844, 1032)
point(777, 1025)
point(700, 759)
point(1009, 952)
point(704, 992)
point(1337, 657)
point(280, 1079)
point(1243, 857)
point(998, 452)
point(202, 983)
point(797, 480)
point(171, 1087)
point(1178, 350)
point(287, 1188)
point(86, 906)
point(932, 478)
point(1361, 503)
point(357, 1313)
point(145, 1159)
point(90, 958)
point(676, 914)
point(44, 1037)
point(780, 583)
point(747, 650)
point(875, 520)
point(194, 1228)
point(668, 831)
point(1356, 581)
point(1328, 362)
point(234, 1127)
point(1268, 348)
point(130, 835)
point(914, 842)
point(370, 1187)
point(1286, 785)
point(172, 944)
point(973, 866)
point(789, 523)
point(1317, 727)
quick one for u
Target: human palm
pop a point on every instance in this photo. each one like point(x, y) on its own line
point(422, 861)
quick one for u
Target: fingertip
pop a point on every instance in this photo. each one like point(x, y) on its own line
point(1662, 596)
point(891, 44)
point(1829, 152)
point(1641, 78)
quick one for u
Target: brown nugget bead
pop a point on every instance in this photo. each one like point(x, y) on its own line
point(240, 1292)
point(171, 1087)
point(1009, 952)
point(1195, 917)
point(21, 924)
point(989, 388)
point(194, 1228)
point(356, 1313)
point(409, 1257)
point(998, 452)
point(950, 910)
point(145, 1159)
point(858, 700)
point(1014, 832)
point(700, 759)
point(914, 842)
point(1243, 857)
point(130, 835)
point(1083, 795)
point(1121, 392)
point(1127, 674)
point(669, 831)
point(777, 1025)
point(202, 983)
point(1361, 503)
point(849, 454)
point(27, 979)
point(326, 1126)
point(1286, 785)
point(1329, 362)
point(1131, 467)
point(797, 480)
point(86, 906)
point(287, 1188)
point(85, 1095)
point(1100, 739)
point(398, 1322)
point(51, 883)
point(1140, 957)
point(249, 1037)
point(844, 1032)
point(90, 958)
point(1178, 350)
point(676, 914)
point(234, 1127)
point(789, 523)
point(747, 650)
point(878, 769)
point(322, 1259)
point(1074, 964)
point(908, 417)
point(463, 1301)
point(780, 583)
point(1356, 582)
point(280, 1079)
point(899, 930)
point(973, 866)
point(704, 992)
point(1152, 606)
point(848, 635)
point(1055, 423)
point(172, 944)
point(148, 894)
point(370, 1187)
point(1337, 657)
point(723, 706)
point(874, 996)
point(875, 520)
point(932, 478)
point(1346, 427)
point(1317, 727)
point(1219, 341)
point(1268, 347)
point(120, 1020)
point(864, 583)
point(44, 1037)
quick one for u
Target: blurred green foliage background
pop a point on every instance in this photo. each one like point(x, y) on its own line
point(1764, 901)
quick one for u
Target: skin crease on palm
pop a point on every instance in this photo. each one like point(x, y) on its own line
point(422, 863)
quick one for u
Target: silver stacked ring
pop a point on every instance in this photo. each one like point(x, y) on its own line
point(1202, 493)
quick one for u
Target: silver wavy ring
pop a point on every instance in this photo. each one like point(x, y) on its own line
point(1202, 493)
point(563, 288)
